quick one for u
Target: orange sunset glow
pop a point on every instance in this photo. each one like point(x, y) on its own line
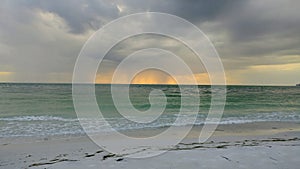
point(153, 76)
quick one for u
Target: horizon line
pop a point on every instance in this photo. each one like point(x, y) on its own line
point(166, 84)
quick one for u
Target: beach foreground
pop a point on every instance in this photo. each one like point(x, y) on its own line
point(249, 145)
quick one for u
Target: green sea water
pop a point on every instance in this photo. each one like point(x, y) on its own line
point(47, 109)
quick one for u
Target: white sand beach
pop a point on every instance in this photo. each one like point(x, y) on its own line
point(251, 145)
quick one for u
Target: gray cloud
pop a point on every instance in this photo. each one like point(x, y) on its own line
point(192, 10)
point(132, 44)
point(80, 15)
point(264, 28)
point(45, 37)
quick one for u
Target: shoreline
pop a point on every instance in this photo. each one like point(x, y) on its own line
point(64, 152)
point(261, 127)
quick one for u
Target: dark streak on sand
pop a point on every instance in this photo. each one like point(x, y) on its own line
point(92, 155)
point(50, 162)
point(180, 146)
point(191, 146)
point(58, 159)
point(108, 156)
point(226, 158)
point(274, 159)
point(120, 159)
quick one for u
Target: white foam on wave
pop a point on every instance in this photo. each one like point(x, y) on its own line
point(36, 118)
point(53, 125)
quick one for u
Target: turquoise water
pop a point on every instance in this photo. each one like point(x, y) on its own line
point(47, 109)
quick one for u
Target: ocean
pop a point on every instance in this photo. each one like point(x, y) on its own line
point(28, 110)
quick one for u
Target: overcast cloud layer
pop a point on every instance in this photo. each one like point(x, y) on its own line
point(258, 41)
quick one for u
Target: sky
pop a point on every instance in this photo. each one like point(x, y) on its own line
point(257, 41)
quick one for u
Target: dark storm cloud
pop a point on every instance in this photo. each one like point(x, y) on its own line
point(192, 10)
point(253, 28)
